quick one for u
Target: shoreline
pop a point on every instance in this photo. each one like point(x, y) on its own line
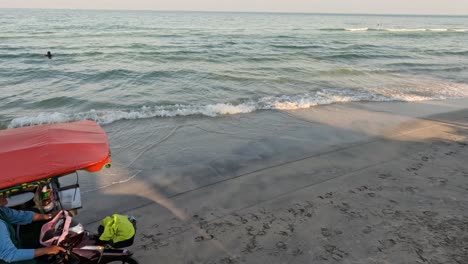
point(215, 110)
point(348, 183)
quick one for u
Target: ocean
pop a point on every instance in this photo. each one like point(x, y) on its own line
point(115, 65)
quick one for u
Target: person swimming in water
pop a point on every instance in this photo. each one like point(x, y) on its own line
point(49, 55)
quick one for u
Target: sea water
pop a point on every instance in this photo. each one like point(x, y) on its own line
point(114, 65)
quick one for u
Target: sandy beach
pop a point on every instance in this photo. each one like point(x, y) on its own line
point(344, 183)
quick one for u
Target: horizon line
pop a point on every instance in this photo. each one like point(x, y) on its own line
point(247, 12)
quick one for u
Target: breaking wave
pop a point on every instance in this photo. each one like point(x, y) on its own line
point(284, 102)
point(364, 29)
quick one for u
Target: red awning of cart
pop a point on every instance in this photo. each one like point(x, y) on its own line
point(34, 153)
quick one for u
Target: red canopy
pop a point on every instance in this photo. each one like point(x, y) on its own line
point(30, 154)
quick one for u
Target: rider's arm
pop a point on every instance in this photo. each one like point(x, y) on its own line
point(8, 251)
point(24, 217)
point(17, 217)
point(42, 217)
point(53, 250)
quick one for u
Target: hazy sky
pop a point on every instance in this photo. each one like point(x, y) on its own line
point(322, 6)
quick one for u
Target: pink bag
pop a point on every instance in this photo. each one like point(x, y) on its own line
point(55, 231)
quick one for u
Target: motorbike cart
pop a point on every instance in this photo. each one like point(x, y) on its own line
point(33, 160)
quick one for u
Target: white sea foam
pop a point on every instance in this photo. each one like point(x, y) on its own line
point(285, 102)
point(438, 29)
point(407, 29)
point(109, 116)
point(425, 29)
point(356, 29)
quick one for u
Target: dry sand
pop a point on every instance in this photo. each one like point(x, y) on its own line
point(350, 183)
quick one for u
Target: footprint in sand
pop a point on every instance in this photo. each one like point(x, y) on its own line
point(281, 245)
point(367, 230)
point(438, 181)
point(362, 188)
point(326, 196)
point(388, 211)
point(430, 213)
point(174, 230)
point(251, 231)
point(219, 227)
point(154, 244)
point(411, 189)
point(241, 219)
point(203, 238)
point(326, 232)
point(283, 233)
point(251, 245)
point(297, 252)
point(333, 252)
point(415, 167)
point(384, 176)
point(302, 209)
point(254, 217)
point(386, 244)
point(346, 209)
point(227, 260)
point(145, 237)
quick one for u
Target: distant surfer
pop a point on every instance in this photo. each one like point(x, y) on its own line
point(49, 55)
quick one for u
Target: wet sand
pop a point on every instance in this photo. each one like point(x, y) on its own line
point(347, 183)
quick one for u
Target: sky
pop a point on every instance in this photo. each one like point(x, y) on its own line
point(449, 7)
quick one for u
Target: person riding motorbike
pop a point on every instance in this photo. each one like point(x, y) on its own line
point(10, 248)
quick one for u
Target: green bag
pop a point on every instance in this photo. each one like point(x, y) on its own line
point(117, 230)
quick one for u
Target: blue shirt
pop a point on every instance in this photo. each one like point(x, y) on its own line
point(8, 251)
